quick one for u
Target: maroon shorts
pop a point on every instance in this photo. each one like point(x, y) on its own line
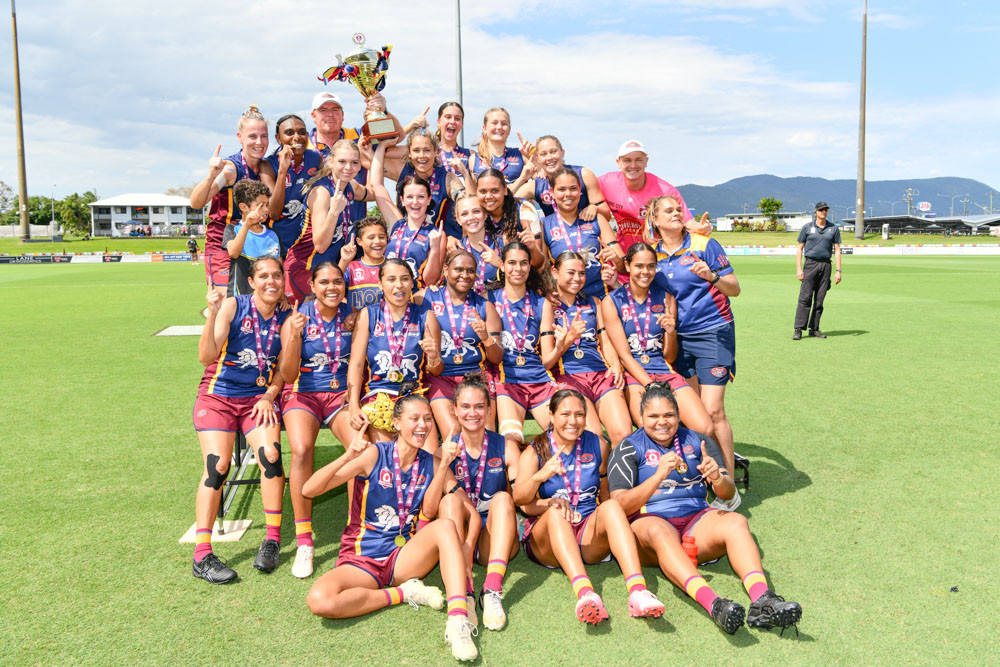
point(529, 525)
point(592, 385)
point(682, 524)
point(217, 267)
point(224, 413)
point(444, 386)
point(528, 396)
point(380, 570)
point(297, 284)
point(322, 405)
point(676, 380)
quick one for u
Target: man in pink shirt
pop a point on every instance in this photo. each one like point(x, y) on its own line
point(627, 190)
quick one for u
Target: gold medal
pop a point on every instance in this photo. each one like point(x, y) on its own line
point(644, 358)
point(577, 517)
point(261, 381)
point(519, 361)
point(682, 467)
point(578, 354)
point(395, 376)
point(400, 540)
point(457, 358)
point(334, 383)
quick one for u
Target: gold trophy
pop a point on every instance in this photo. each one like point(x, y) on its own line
point(365, 69)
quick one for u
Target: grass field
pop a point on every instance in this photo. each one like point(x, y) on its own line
point(769, 239)
point(873, 454)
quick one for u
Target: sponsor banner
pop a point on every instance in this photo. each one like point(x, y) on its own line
point(35, 259)
point(107, 259)
point(136, 259)
point(87, 259)
point(177, 257)
point(846, 250)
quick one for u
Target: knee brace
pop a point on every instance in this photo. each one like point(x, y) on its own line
point(271, 470)
point(215, 478)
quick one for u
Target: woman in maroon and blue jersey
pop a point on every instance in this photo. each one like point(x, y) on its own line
point(217, 188)
point(561, 485)
point(450, 121)
point(239, 392)
point(549, 158)
point(412, 237)
point(565, 231)
point(394, 340)
point(493, 152)
point(316, 349)
point(660, 475)
point(695, 269)
point(523, 382)
point(480, 503)
point(382, 555)
point(285, 172)
point(470, 331)
point(577, 348)
point(507, 218)
point(482, 245)
point(641, 317)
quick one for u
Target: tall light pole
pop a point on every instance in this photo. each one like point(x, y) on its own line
point(53, 202)
point(859, 221)
point(908, 198)
point(458, 83)
point(953, 197)
point(22, 180)
point(990, 195)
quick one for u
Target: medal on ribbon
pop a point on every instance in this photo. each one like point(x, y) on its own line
point(574, 489)
point(396, 345)
point(404, 507)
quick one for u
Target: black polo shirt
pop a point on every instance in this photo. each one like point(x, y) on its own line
point(819, 241)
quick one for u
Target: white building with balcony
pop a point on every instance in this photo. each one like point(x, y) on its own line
point(166, 215)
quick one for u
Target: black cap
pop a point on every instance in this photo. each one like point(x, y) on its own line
point(820, 205)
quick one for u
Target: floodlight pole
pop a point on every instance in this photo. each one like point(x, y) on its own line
point(458, 83)
point(22, 180)
point(859, 219)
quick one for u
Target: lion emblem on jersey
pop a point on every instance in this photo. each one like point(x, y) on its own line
point(246, 358)
point(448, 347)
point(653, 344)
point(507, 342)
point(318, 360)
point(382, 364)
point(293, 209)
point(386, 517)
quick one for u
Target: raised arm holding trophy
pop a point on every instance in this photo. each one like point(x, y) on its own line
point(365, 69)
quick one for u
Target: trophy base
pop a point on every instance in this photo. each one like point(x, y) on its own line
point(379, 128)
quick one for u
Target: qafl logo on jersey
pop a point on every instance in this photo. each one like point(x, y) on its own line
point(247, 325)
point(652, 458)
point(359, 274)
point(385, 479)
point(312, 332)
point(438, 308)
point(311, 171)
point(657, 308)
point(557, 234)
point(720, 371)
point(421, 480)
point(547, 198)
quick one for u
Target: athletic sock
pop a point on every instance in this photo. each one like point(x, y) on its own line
point(636, 582)
point(202, 543)
point(304, 532)
point(393, 596)
point(457, 606)
point(581, 585)
point(700, 591)
point(756, 584)
point(495, 571)
point(273, 519)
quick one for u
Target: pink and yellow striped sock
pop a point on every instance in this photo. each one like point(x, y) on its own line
point(581, 585)
point(457, 606)
point(304, 532)
point(636, 582)
point(698, 589)
point(202, 543)
point(756, 584)
point(495, 571)
point(393, 596)
point(273, 520)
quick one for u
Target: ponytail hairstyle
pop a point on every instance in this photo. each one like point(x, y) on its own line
point(420, 132)
point(649, 233)
point(562, 171)
point(396, 261)
point(636, 248)
point(282, 120)
point(535, 282)
point(540, 443)
point(656, 390)
point(408, 393)
point(441, 110)
point(483, 150)
point(252, 113)
point(474, 381)
point(326, 265)
point(510, 218)
point(326, 170)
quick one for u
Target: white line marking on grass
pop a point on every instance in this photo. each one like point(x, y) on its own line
point(181, 330)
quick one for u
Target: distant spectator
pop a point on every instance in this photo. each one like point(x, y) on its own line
point(192, 246)
point(818, 240)
point(248, 240)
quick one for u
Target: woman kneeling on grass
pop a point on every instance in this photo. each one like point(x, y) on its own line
point(382, 555)
point(658, 474)
point(559, 478)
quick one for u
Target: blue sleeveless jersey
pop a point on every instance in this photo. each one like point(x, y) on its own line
point(678, 494)
point(315, 372)
point(543, 192)
point(235, 372)
point(700, 306)
point(379, 357)
point(554, 235)
point(373, 523)
point(488, 271)
point(358, 210)
point(590, 477)
point(495, 477)
point(654, 342)
point(471, 347)
point(533, 371)
point(593, 361)
point(440, 205)
point(343, 231)
point(511, 164)
point(223, 209)
point(293, 215)
point(418, 250)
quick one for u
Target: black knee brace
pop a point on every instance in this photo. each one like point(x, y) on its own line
point(215, 478)
point(271, 470)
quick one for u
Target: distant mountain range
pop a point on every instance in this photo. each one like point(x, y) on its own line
point(801, 194)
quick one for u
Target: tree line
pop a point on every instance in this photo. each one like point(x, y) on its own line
point(72, 212)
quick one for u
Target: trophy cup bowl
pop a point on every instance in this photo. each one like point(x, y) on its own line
point(370, 67)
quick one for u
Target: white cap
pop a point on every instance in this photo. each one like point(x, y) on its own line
point(323, 98)
point(631, 146)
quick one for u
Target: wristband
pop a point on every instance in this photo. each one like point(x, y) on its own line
point(717, 279)
point(610, 243)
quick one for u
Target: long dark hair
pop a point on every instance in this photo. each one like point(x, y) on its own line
point(540, 443)
point(656, 390)
point(510, 219)
point(535, 282)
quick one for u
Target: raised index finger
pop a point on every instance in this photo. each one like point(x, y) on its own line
point(426, 110)
point(217, 149)
point(339, 187)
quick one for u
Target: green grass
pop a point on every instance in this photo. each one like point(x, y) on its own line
point(874, 457)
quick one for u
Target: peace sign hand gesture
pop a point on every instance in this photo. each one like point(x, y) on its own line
point(338, 202)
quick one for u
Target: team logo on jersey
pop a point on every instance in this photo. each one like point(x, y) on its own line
point(587, 228)
point(379, 329)
point(688, 449)
point(385, 479)
point(202, 413)
point(413, 328)
point(720, 371)
point(438, 308)
point(421, 480)
point(312, 332)
point(657, 308)
point(547, 198)
point(247, 325)
point(359, 274)
point(495, 462)
point(586, 458)
point(687, 260)
point(311, 171)
point(642, 212)
point(420, 238)
point(557, 234)
point(652, 458)
point(559, 312)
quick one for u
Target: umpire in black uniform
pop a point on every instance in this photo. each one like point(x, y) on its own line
point(819, 241)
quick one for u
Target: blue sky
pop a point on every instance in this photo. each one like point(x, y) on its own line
point(134, 97)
